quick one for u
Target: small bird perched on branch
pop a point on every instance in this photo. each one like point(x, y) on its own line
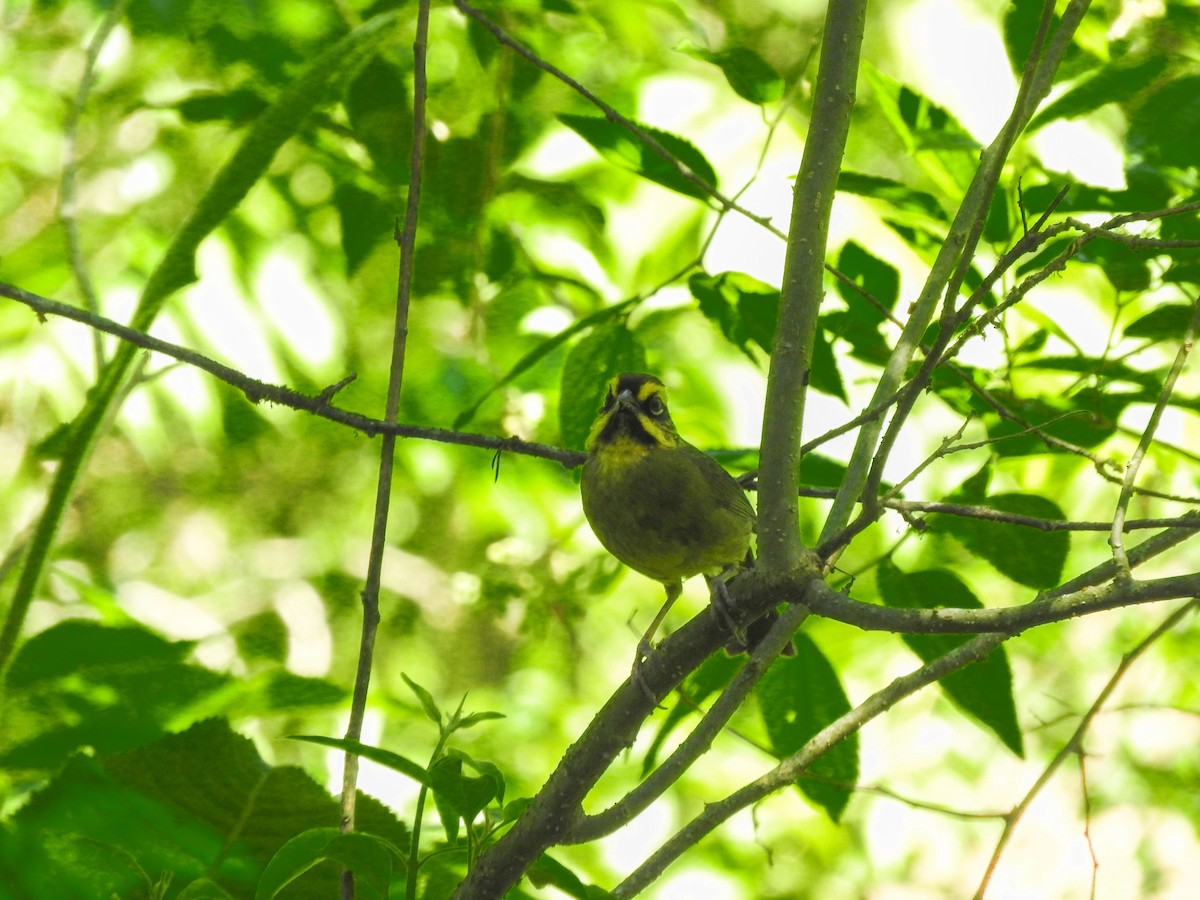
point(655, 502)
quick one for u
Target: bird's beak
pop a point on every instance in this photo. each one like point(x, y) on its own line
point(626, 400)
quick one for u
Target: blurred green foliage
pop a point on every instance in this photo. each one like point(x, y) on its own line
point(202, 601)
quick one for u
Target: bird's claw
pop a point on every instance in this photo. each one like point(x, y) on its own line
point(636, 675)
point(721, 608)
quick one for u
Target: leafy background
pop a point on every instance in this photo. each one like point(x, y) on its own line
point(202, 602)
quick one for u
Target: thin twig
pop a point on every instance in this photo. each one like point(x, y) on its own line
point(795, 765)
point(1116, 541)
point(612, 115)
point(588, 828)
point(1075, 742)
point(66, 196)
point(370, 592)
point(258, 391)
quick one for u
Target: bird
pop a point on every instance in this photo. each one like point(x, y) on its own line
point(655, 502)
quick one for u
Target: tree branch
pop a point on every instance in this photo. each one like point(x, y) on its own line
point(503, 37)
point(779, 547)
point(1074, 742)
point(795, 765)
point(257, 391)
point(1116, 539)
point(951, 260)
point(387, 455)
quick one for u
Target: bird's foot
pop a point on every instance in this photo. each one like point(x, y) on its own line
point(721, 606)
point(637, 675)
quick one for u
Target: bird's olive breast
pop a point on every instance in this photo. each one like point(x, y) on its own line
point(668, 513)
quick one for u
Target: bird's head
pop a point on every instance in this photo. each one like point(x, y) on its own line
point(634, 410)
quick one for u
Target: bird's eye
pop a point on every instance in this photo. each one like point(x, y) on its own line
point(655, 406)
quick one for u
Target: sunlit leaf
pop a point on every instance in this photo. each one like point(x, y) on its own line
point(984, 689)
point(1121, 80)
point(798, 696)
point(751, 77)
point(362, 854)
point(385, 758)
point(600, 356)
point(1028, 556)
point(1161, 129)
point(619, 145)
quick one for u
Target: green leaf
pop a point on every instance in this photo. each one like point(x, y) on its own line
point(1182, 273)
point(549, 872)
point(1028, 556)
point(426, 699)
point(605, 353)
point(1122, 80)
point(80, 683)
point(928, 133)
point(859, 323)
point(1146, 189)
point(798, 696)
point(490, 772)
point(879, 279)
point(366, 222)
point(742, 307)
point(1021, 23)
point(750, 76)
point(363, 854)
point(1162, 130)
point(472, 719)
point(824, 375)
point(544, 349)
point(894, 193)
point(619, 145)
point(460, 797)
point(1066, 419)
point(87, 835)
point(1163, 323)
point(174, 806)
point(239, 793)
point(204, 889)
point(1125, 268)
point(236, 106)
point(376, 105)
point(387, 758)
point(984, 689)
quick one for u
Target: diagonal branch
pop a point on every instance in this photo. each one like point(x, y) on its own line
point(387, 454)
point(258, 391)
point(779, 546)
point(1116, 539)
point(1074, 742)
point(795, 765)
point(954, 257)
point(612, 115)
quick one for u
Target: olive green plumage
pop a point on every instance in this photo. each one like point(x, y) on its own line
point(655, 502)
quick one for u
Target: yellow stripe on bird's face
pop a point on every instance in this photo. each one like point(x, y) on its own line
point(634, 417)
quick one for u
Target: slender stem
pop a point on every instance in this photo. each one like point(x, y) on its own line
point(795, 765)
point(370, 593)
point(952, 259)
point(1116, 539)
point(414, 847)
point(800, 296)
point(1074, 742)
point(588, 828)
point(66, 197)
